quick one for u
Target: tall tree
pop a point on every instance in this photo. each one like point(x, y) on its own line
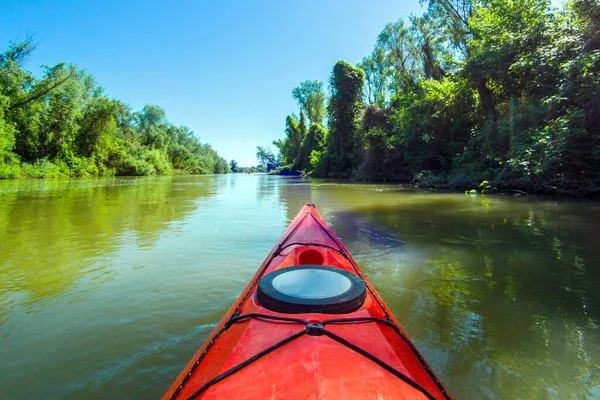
point(153, 127)
point(456, 16)
point(312, 100)
point(377, 75)
point(313, 142)
point(429, 45)
point(302, 132)
point(396, 43)
point(345, 111)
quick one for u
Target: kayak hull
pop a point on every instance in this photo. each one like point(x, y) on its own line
point(254, 354)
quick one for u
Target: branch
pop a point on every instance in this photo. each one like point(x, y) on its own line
point(450, 8)
point(40, 94)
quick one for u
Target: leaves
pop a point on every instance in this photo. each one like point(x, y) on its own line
point(312, 99)
point(63, 125)
point(500, 91)
point(267, 158)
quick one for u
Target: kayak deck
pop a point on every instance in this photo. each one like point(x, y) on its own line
point(258, 353)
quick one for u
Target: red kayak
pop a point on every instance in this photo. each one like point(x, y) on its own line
point(309, 325)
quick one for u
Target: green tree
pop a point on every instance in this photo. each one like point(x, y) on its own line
point(312, 100)
point(233, 165)
point(313, 142)
point(455, 17)
point(267, 159)
point(395, 42)
point(344, 145)
point(62, 124)
point(294, 134)
point(430, 45)
point(9, 161)
point(377, 75)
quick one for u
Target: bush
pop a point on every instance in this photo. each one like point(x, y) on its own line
point(43, 169)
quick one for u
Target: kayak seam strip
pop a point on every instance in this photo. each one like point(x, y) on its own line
point(417, 354)
point(236, 313)
point(275, 254)
point(235, 317)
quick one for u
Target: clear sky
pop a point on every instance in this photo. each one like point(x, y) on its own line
point(224, 68)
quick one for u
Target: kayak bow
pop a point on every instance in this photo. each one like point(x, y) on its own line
point(309, 325)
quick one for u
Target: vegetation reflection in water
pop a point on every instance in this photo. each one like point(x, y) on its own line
point(109, 286)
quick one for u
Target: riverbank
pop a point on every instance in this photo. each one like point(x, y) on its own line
point(505, 182)
point(286, 171)
point(59, 169)
point(474, 98)
point(459, 181)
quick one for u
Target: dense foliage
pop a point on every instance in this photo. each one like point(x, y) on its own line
point(311, 98)
point(503, 91)
point(64, 125)
point(234, 167)
point(268, 159)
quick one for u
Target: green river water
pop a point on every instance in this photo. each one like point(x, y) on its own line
point(109, 286)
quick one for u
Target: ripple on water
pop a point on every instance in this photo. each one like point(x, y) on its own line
point(109, 286)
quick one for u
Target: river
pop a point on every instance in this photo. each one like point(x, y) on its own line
point(109, 286)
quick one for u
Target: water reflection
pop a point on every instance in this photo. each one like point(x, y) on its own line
point(505, 301)
point(107, 287)
point(294, 193)
point(54, 232)
point(500, 293)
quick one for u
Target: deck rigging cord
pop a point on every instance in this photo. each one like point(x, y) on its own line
point(311, 328)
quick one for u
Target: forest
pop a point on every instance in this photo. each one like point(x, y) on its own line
point(491, 94)
point(63, 124)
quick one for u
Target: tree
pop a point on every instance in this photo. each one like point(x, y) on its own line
point(377, 75)
point(429, 45)
point(294, 134)
point(395, 43)
point(314, 141)
point(311, 98)
point(18, 52)
point(9, 162)
point(152, 126)
point(345, 112)
point(221, 166)
point(455, 15)
point(62, 124)
point(267, 159)
point(233, 165)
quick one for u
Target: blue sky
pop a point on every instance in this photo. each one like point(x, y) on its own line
point(224, 68)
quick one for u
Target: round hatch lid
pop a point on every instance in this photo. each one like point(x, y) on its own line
point(311, 289)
